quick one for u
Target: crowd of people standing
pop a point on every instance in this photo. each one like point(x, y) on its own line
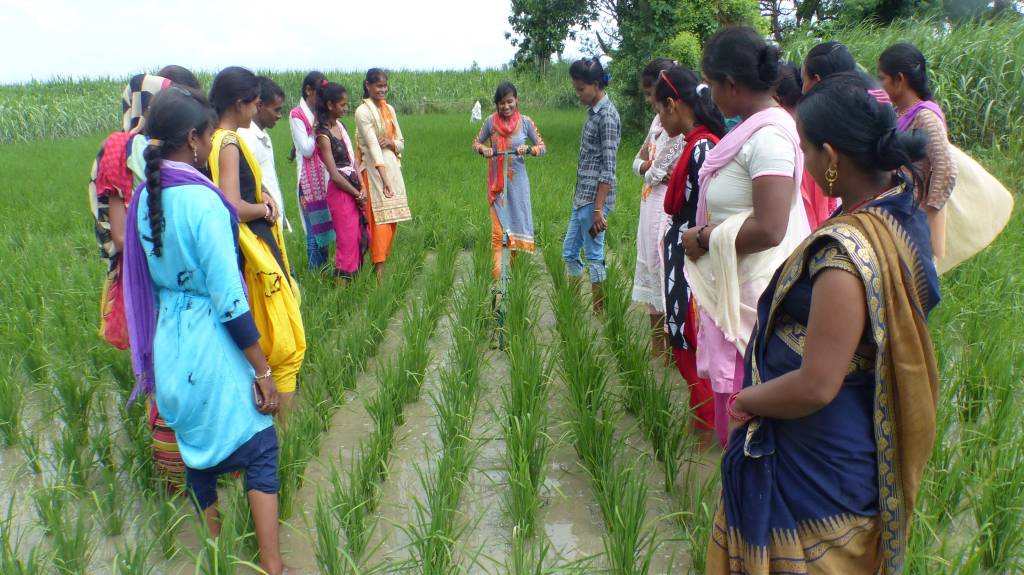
point(789, 216)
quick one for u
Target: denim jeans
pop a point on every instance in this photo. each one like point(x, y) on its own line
point(577, 238)
point(317, 255)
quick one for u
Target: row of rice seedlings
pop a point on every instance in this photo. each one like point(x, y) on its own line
point(349, 506)
point(619, 483)
point(525, 402)
point(360, 337)
point(438, 524)
point(663, 419)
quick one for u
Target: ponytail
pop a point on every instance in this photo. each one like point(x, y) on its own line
point(153, 155)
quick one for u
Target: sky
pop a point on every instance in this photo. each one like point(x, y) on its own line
point(43, 39)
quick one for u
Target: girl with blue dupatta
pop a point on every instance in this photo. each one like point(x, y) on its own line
point(836, 419)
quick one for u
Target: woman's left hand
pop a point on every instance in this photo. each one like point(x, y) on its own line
point(523, 149)
point(692, 248)
point(272, 209)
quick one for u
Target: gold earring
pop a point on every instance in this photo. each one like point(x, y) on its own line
point(195, 156)
point(831, 176)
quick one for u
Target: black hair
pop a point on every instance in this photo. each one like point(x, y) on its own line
point(906, 59)
point(649, 75)
point(790, 88)
point(231, 85)
point(172, 115)
point(850, 112)
point(829, 58)
point(740, 54)
point(692, 93)
point(373, 75)
point(327, 92)
point(180, 76)
point(312, 81)
point(269, 90)
point(590, 71)
point(504, 90)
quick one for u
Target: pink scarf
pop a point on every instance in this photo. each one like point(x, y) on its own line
point(732, 143)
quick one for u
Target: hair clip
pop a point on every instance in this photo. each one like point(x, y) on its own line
point(323, 83)
point(155, 142)
point(880, 96)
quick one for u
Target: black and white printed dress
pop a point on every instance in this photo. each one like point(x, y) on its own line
point(677, 291)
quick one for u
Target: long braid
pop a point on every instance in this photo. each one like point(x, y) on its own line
point(154, 156)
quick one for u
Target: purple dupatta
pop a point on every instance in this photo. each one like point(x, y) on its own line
point(139, 296)
point(908, 118)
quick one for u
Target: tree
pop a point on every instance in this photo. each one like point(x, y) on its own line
point(540, 28)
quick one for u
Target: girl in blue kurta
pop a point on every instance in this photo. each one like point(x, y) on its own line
point(508, 130)
point(194, 341)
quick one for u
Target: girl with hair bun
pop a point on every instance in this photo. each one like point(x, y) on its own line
point(903, 72)
point(273, 293)
point(653, 163)
point(751, 214)
point(195, 342)
point(836, 420)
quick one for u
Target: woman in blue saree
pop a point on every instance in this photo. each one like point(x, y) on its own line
point(836, 420)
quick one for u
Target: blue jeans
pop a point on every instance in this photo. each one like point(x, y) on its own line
point(578, 237)
point(317, 255)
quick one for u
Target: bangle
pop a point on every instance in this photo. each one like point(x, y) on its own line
point(731, 409)
point(265, 375)
point(267, 207)
point(699, 232)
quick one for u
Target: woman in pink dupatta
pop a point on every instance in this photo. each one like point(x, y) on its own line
point(750, 216)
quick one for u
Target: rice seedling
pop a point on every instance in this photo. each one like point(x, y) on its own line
point(164, 520)
point(135, 557)
point(11, 560)
point(223, 554)
point(11, 404)
point(73, 544)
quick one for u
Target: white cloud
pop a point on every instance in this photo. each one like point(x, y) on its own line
point(43, 39)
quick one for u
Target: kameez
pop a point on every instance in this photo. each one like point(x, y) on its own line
point(516, 196)
point(375, 119)
point(273, 293)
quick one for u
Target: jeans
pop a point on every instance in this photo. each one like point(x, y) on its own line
point(578, 237)
point(317, 255)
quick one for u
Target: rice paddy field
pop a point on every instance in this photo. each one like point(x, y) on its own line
point(418, 445)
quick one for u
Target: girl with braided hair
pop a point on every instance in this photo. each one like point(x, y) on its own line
point(195, 345)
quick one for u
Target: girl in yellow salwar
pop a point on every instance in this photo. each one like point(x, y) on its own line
point(379, 147)
point(273, 293)
point(836, 419)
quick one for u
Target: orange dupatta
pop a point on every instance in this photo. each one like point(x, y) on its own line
point(502, 139)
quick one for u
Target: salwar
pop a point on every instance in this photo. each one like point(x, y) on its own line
point(382, 236)
point(345, 218)
point(722, 400)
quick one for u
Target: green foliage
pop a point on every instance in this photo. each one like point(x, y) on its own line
point(541, 28)
point(975, 69)
point(672, 28)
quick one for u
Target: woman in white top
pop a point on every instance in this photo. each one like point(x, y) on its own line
point(751, 213)
point(654, 163)
point(302, 123)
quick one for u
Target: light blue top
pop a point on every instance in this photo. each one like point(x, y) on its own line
point(203, 381)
